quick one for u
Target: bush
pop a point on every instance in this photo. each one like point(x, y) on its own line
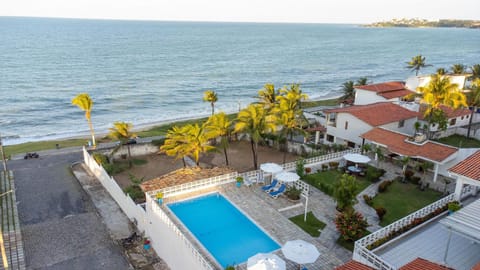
point(408, 174)
point(351, 225)
point(373, 174)
point(293, 193)
point(368, 199)
point(300, 168)
point(158, 142)
point(383, 186)
point(324, 167)
point(381, 211)
point(101, 159)
point(344, 191)
point(135, 193)
point(415, 180)
point(333, 165)
point(454, 206)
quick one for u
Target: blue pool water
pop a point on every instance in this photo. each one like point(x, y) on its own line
point(222, 229)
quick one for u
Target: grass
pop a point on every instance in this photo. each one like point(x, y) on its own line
point(325, 181)
point(312, 226)
point(11, 150)
point(402, 199)
point(327, 102)
point(460, 141)
point(348, 244)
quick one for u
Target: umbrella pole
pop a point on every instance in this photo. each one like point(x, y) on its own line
point(306, 205)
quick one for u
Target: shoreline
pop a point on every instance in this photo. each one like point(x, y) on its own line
point(138, 128)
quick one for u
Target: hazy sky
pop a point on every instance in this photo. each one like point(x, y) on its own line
point(334, 11)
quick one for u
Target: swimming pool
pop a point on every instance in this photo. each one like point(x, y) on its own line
point(222, 229)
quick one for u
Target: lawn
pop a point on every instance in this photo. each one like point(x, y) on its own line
point(325, 181)
point(460, 141)
point(312, 226)
point(326, 102)
point(11, 150)
point(401, 199)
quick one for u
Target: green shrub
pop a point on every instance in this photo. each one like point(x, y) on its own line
point(333, 165)
point(135, 192)
point(158, 142)
point(324, 167)
point(351, 225)
point(383, 186)
point(373, 174)
point(101, 159)
point(300, 167)
point(368, 199)
point(381, 211)
point(344, 191)
point(415, 180)
point(454, 206)
point(293, 193)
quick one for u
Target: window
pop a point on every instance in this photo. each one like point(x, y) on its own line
point(462, 118)
point(453, 121)
point(330, 138)
point(346, 124)
point(401, 123)
point(351, 144)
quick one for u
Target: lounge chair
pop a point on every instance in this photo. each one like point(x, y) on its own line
point(274, 194)
point(248, 182)
point(253, 179)
point(268, 188)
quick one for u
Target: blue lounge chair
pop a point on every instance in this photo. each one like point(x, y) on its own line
point(268, 188)
point(274, 194)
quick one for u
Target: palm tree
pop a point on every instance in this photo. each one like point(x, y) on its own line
point(122, 131)
point(417, 63)
point(473, 100)
point(219, 125)
point(362, 81)
point(85, 103)
point(197, 141)
point(254, 121)
point(176, 144)
point(210, 96)
point(440, 92)
point(475, 69)
point(348, 89)
point(441, 71)
point(267, 95)
point(458, 69)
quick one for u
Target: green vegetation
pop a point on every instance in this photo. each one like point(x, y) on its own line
point(401, 199)
point(312, 226)
point(11, 150)
point(349, 244)
point(325, 181)
point(460, 141)
point(424, 23)
point(316, 103)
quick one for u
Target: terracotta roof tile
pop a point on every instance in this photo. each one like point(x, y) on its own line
point(182, 176)
point(354, 265)
point(387, 90)
point(397, 143)
point(449, 112)
point(377, 114)
point(476, 267)
point(469, 167)
point(422, 264)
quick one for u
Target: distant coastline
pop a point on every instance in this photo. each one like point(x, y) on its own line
point(418, 23)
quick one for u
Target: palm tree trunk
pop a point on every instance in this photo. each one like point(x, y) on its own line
point(184, 163)
point(91, 132)
point(213, 108)
point(254, 152)
point(226, 156)
point(129, 156)
point(470, 121)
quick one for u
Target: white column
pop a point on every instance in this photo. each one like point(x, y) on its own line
point(317, 136)
point(458, 189)
point(435, 174)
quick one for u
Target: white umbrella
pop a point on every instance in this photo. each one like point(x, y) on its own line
point(271, 168)
point(300, 251)
point(287, 177)
point(263, 261)
point(356, 158)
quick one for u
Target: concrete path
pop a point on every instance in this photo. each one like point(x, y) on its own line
point(60, 227)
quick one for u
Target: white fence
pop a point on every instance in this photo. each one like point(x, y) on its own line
point(362, 254)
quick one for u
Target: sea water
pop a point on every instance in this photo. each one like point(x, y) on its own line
point(148, 71)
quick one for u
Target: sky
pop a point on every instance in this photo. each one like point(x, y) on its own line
point(301, 11)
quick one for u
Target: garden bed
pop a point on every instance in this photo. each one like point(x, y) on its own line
point(325, 181)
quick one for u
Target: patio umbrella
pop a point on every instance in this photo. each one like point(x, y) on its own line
point(356, 158)
point(263, 261)
point(287, 177)
point(271, 168)
point(300, 251)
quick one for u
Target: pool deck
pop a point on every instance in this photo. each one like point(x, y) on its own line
point(269, 214)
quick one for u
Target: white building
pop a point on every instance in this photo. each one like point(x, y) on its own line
point(381, 92)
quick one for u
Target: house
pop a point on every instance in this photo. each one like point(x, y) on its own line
point(381, 92)
point(455, 119)
point(345, 125)
point(414, 82)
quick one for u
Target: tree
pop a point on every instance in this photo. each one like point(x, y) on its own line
point(254, 121)
point(379, 156)
point(345, 190)
point(362, 81)
point(85, 103)
point(417, 63)
point(440, 92)
point(122, 131)
point(441, 71)
point(218, 125)
point(475, 69)
point(458, 69)
point(210, 96)
point(348, 89)
point(405, 160)
point(473, 100)
point(351, 225)
point(268, 95)
point(176, 145)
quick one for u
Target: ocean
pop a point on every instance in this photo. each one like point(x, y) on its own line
point(147, 72)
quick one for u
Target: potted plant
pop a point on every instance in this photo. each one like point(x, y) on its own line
point(453, 206)
point(239, 181)
point(293, 193)
point(159, 197)
point(230, 267)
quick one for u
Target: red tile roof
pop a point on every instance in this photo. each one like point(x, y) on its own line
point(476, 267)
point(397, 143)
point(469, 167)
point(449, 112)
point(354, 265)
point(377, 114)
point(422, 264)
point(387, 90)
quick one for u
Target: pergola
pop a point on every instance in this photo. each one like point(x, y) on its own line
point(467, 172)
